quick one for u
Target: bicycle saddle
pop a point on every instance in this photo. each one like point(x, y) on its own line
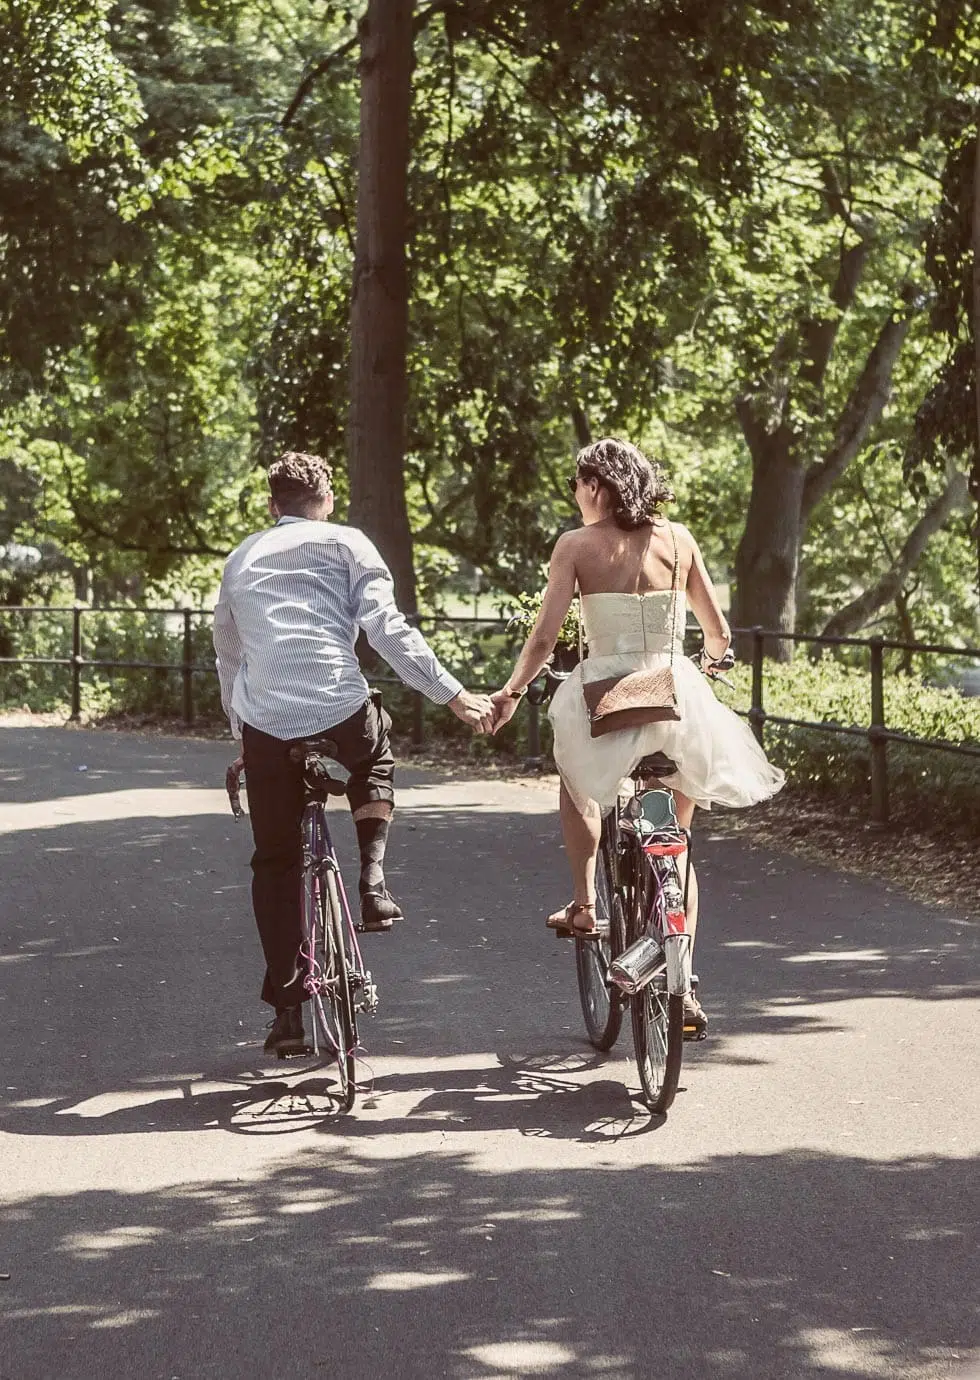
point(315, 756)
point(657, 764)
point(312, 747)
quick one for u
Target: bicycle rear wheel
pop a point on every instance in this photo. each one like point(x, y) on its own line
point(601, 1004)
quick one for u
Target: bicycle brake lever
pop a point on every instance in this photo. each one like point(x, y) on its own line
point(716, 675)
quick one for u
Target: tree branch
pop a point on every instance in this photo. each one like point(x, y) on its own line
point(862, 409)
point(88, 524)
point(317, 70)
point(752, 429)
point(853, 616)
point(583, 432)
point(327, 61)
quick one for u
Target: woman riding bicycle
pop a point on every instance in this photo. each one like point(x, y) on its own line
point(636, 573)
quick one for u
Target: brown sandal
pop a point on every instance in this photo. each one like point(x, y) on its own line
point(564, 926)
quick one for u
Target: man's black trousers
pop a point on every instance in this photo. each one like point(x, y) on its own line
point(275, 803)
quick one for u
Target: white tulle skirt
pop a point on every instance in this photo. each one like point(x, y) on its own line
point(718, 760)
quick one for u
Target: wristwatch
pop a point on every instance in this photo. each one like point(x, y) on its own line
point(517, 694)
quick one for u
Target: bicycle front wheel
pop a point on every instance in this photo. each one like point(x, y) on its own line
point(331, 1001)
point(347, 1017)
point(601, 1004)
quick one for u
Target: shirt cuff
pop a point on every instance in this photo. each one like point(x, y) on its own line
point(446, 688)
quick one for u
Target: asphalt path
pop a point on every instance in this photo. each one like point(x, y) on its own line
point(175, 1205)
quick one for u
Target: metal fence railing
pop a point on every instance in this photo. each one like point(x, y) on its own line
point(876, 732)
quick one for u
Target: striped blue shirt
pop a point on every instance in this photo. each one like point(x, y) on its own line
point(292, 601)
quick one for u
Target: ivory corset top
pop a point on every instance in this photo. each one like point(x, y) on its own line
point(616, 624)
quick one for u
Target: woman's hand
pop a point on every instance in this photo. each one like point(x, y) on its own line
point(504, 705)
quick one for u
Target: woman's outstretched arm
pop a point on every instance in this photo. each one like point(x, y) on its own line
point(544, 634)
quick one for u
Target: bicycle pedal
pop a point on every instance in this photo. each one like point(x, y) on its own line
point(302, 1052)
point(569, 932)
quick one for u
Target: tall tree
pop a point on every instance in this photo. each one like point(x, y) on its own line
point(379, 294)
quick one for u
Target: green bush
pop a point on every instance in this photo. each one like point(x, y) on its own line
point(126, 635)
point(827, 692)
point(824, 691)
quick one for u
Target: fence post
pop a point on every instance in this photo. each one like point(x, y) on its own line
point(877, 741)
point(757, 714)
point(76, 664)
point(418, 719)
point(186, 672)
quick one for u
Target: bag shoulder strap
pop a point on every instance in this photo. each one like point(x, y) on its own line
point(674, 585)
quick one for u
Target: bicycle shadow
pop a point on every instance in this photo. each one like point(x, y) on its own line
point(537, 1095)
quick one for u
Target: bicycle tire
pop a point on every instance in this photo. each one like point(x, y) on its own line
point(602, 1009)
point(343, 998)
point(658, 1036)
point(656, 1016)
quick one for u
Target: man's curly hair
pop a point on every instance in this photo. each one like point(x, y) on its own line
point(297, 480)
point(638, 486)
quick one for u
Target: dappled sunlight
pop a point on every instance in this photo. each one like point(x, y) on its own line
point(500, 1203)
point(101, 807)
point(95, 1246)
point(839, 956)
point(761, 1267)
point(413, 1279)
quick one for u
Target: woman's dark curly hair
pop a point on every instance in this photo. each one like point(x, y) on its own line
point(638, 486)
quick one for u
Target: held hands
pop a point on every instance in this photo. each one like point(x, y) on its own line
point(505, 706)
point(485, 713)
point(476, 711)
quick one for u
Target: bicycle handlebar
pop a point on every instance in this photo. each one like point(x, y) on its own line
point(547, 681)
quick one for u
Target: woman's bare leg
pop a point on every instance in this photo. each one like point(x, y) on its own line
point(684, 806)
point(581, 832)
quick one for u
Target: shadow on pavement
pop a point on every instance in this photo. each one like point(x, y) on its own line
point(743, 1268)
point(129, 972)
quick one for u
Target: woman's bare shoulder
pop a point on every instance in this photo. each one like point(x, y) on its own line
point(684, 535)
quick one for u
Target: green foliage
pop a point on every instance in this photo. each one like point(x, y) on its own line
point(597, 244)
point(828, 692)
point(524, 609)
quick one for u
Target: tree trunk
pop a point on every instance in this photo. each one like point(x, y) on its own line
point(976, 286)
point(379, 299)
point(767, 560)
point(975, 485)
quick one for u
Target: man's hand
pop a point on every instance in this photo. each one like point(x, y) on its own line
point(475, 710)
point(505, 706)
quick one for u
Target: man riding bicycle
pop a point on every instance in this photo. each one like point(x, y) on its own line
point(293, 599)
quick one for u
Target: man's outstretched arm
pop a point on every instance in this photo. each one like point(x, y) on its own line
point(403, 647)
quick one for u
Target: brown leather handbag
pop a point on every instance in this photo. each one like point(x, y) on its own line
point(639, 697)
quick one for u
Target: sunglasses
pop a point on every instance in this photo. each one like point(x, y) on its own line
point(575, 479)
